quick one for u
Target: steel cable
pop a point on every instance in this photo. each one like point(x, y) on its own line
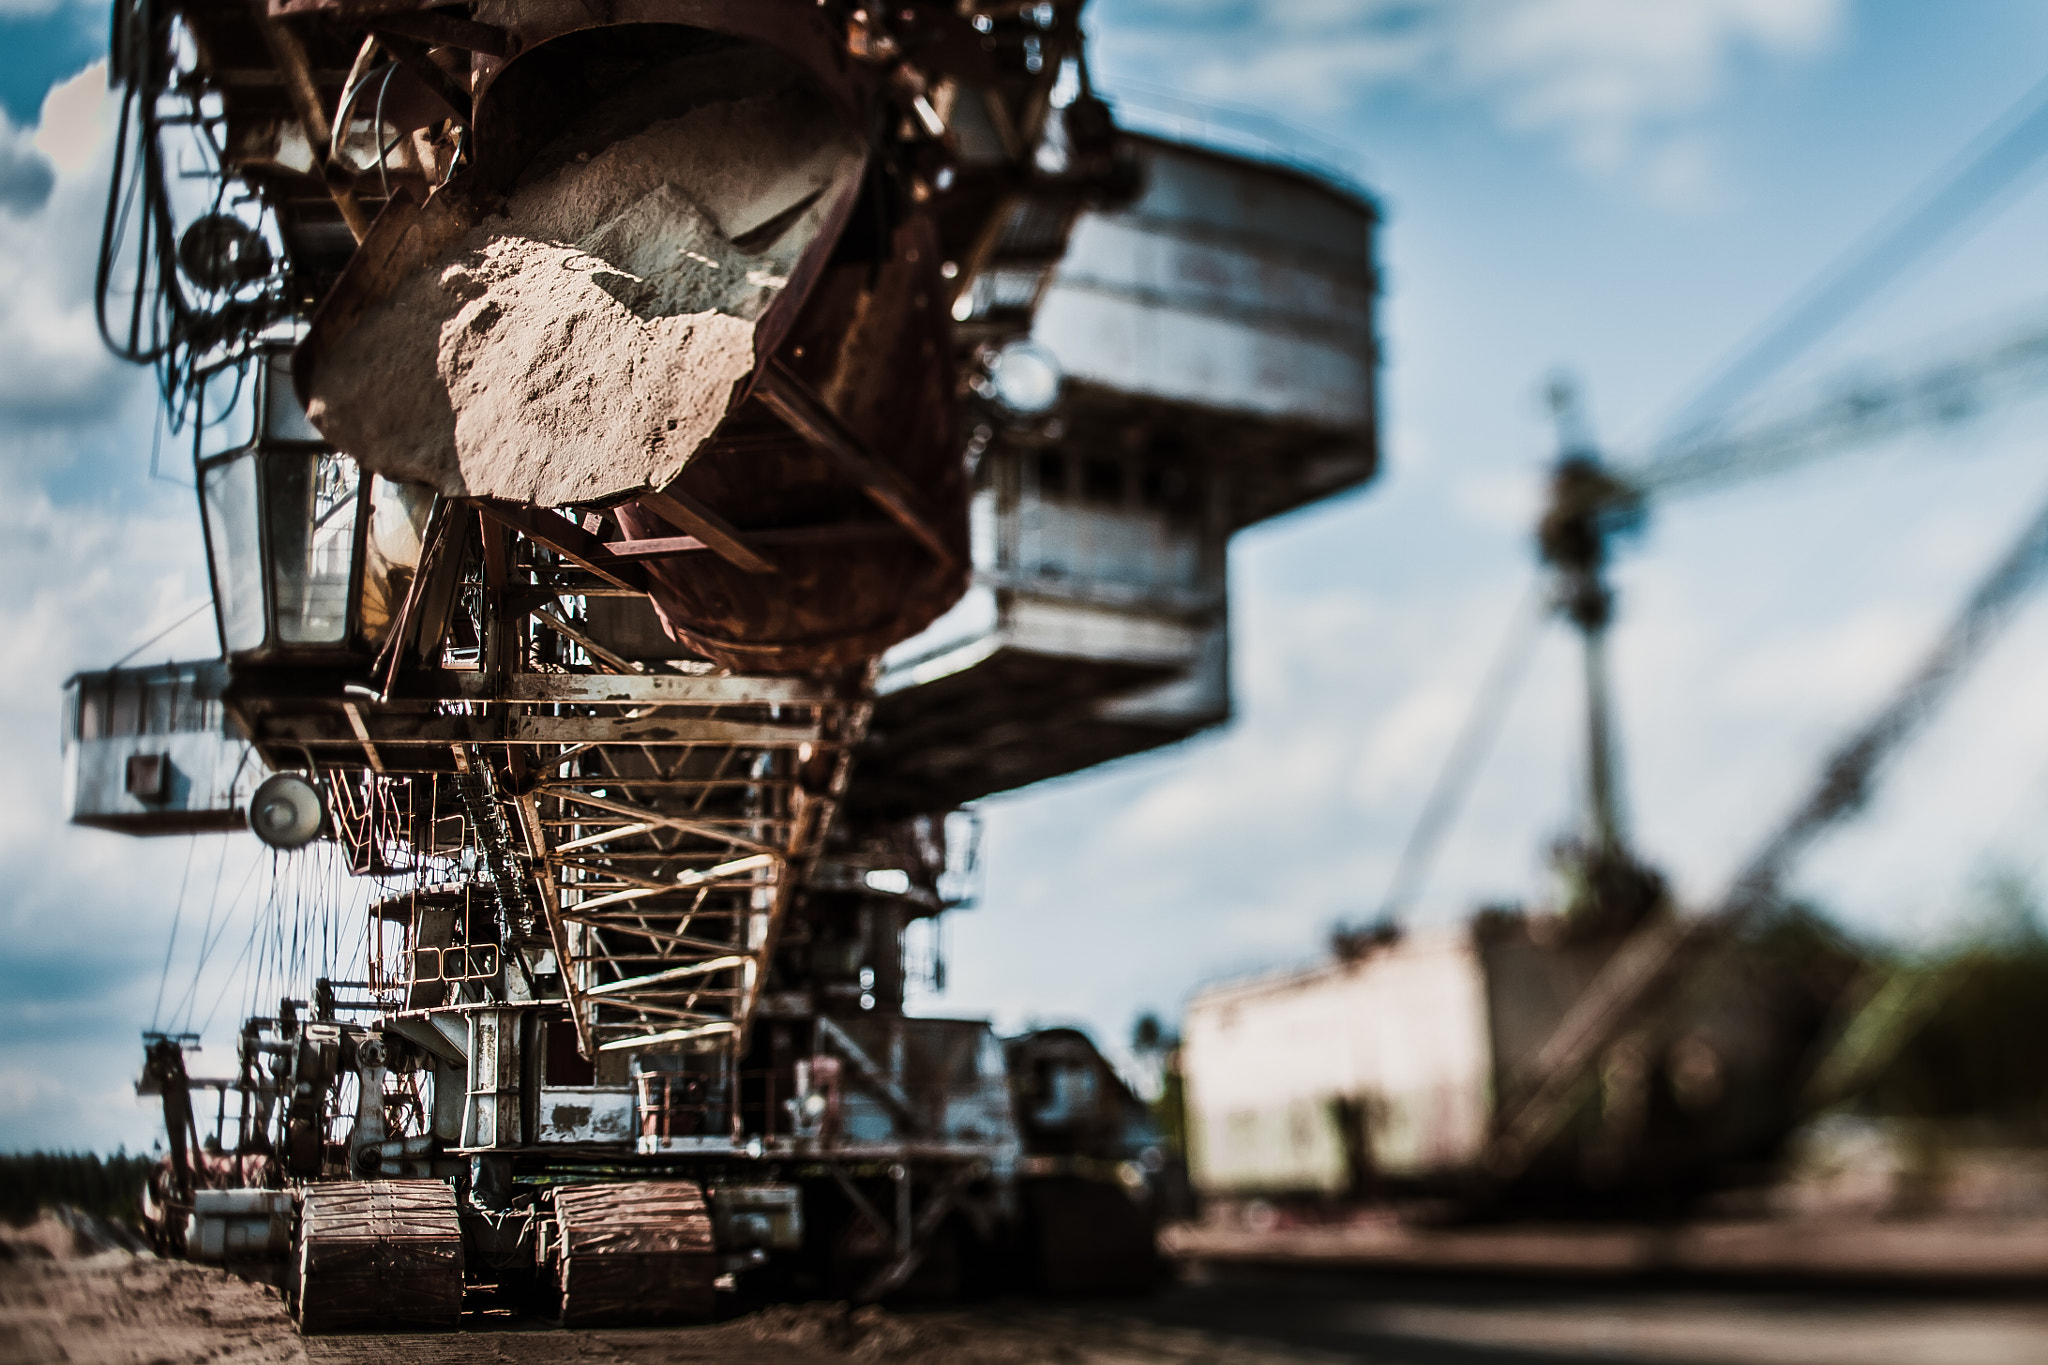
point(1988, 169)
point(1482, 723)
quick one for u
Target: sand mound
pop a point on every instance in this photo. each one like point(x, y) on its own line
point(64, 1234)
point(582, 345)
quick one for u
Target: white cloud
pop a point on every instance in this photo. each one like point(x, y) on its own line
point(1622, 83)
point(57, 366)
point(78, 117)
point(25, 175)
point(101, 557)
point(1502, 500)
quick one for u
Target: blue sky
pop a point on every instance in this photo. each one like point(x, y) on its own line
point(1624, 188)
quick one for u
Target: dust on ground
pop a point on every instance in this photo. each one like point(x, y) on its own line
point(120, 1308)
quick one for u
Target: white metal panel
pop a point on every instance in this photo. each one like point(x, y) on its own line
point(1237, 364)
point(1048, 626)
point(1401, 1035)
point(1201, 694)
point(581, 1113)
point(239, 1224)
point(1229, 284)
point(210, 778)
point(1138, 547)
point(1262, 1066)
point(1423, 1053)
point(962, 638)
point(1225, 193)
point(1189, 268)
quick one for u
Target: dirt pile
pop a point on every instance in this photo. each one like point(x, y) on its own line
point(65, 1234)
point(114, 1308)
point(585, 342)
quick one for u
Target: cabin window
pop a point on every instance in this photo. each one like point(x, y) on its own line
point(1168, 487)
point(1052, 474)
point(393, 546)
point(229, 492)
point(1102, 481)
point(565, 1065)
point(313, 539)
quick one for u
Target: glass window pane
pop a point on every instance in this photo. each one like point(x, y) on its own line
point(312, 519)
point(284, 418)
point(227, 411)
point(230, 493)
point(398, 525)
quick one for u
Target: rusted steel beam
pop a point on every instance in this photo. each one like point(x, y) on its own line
point(938, 1204)
point(718, 535)
point(653, 817)
point(389, 730)
point(568, 631)
point(290, 56)
point(789, 398)
point(891, 1094)
point(635, 924)
point(355, 722)
point(445, 30)
point(661, 689)
point(689, 880)
point(838, 533)
point(551, 910)
point(569, 540)
point(660, 547)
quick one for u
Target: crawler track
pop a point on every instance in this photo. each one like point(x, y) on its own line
point(380, 1254)
point(638, 1253)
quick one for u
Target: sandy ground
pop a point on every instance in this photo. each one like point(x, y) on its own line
point(115, 1308)
point(118, 1309)
point(1917, 1251)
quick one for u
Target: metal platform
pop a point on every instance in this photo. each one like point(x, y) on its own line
point(1217, 345)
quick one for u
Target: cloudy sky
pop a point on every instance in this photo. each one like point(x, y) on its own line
point(1624, 189)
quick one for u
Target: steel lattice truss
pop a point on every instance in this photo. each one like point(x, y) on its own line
point(646, 825)
point(664, 866)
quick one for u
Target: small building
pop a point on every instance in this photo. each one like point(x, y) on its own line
point(1325, 1080)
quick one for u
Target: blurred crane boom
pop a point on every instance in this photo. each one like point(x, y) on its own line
point(1651, 958)
point(1986, 171)
point(1950, 389)
point(1591, 502)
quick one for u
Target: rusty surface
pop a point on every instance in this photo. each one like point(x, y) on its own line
point(873, 344)
point(380, 1253)
point(636, 1253)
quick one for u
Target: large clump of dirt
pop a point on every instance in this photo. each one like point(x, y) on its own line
point(65, 1233)
point(582, 344)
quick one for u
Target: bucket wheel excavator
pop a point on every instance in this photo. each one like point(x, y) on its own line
point(579, 397)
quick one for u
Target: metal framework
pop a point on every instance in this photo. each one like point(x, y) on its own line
point(664, 866)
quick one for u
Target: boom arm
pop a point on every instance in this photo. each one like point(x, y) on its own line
point(1654, 955)
point(1951, 389)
